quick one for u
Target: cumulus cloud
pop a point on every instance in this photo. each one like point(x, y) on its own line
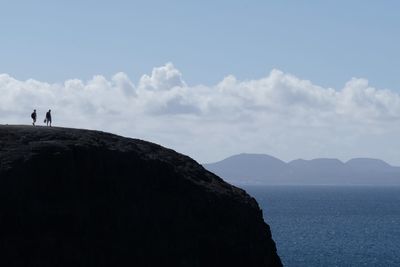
point(162, 78)
point(279, 114)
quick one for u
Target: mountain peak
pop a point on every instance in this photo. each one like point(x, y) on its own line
point(368, 164)
point(265, 169)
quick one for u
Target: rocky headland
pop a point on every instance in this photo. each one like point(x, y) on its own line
point(72, 197)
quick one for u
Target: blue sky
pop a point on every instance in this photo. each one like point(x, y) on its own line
point(293, 79)
point(327, 42)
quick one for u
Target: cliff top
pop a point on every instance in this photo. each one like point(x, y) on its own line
point(21, 142)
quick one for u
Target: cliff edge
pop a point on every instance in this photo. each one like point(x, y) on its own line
point(72, 197)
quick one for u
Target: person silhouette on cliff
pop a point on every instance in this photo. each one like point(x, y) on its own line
point(33, 116)
point(48, 118)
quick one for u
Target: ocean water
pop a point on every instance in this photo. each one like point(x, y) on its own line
point(333, 225)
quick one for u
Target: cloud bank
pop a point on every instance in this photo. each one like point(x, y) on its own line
point(279, 114)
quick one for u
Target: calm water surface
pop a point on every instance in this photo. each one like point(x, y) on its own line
point(333, 226)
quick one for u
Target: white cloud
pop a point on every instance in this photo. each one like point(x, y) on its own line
point(162, 78)
point(278, 114)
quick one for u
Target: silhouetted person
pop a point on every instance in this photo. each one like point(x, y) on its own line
point(33, 116)
point(48, 118)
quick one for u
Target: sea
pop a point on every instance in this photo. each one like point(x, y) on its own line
point(333, 225)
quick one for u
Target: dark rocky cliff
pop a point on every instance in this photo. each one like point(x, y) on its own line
point(85, 198)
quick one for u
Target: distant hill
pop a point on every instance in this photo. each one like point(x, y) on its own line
point(265, 169)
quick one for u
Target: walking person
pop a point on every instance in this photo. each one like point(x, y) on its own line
point(33, 116)
point(48, 118)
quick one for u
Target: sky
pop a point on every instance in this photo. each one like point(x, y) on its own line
point(293, 79)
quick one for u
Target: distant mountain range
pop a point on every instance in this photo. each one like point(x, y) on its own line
point(264, 169)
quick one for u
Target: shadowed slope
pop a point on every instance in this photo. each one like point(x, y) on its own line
point(85, 198)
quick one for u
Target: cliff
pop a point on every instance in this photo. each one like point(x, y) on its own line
point(72, 197)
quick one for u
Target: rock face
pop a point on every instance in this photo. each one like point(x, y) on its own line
point(85, 198)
